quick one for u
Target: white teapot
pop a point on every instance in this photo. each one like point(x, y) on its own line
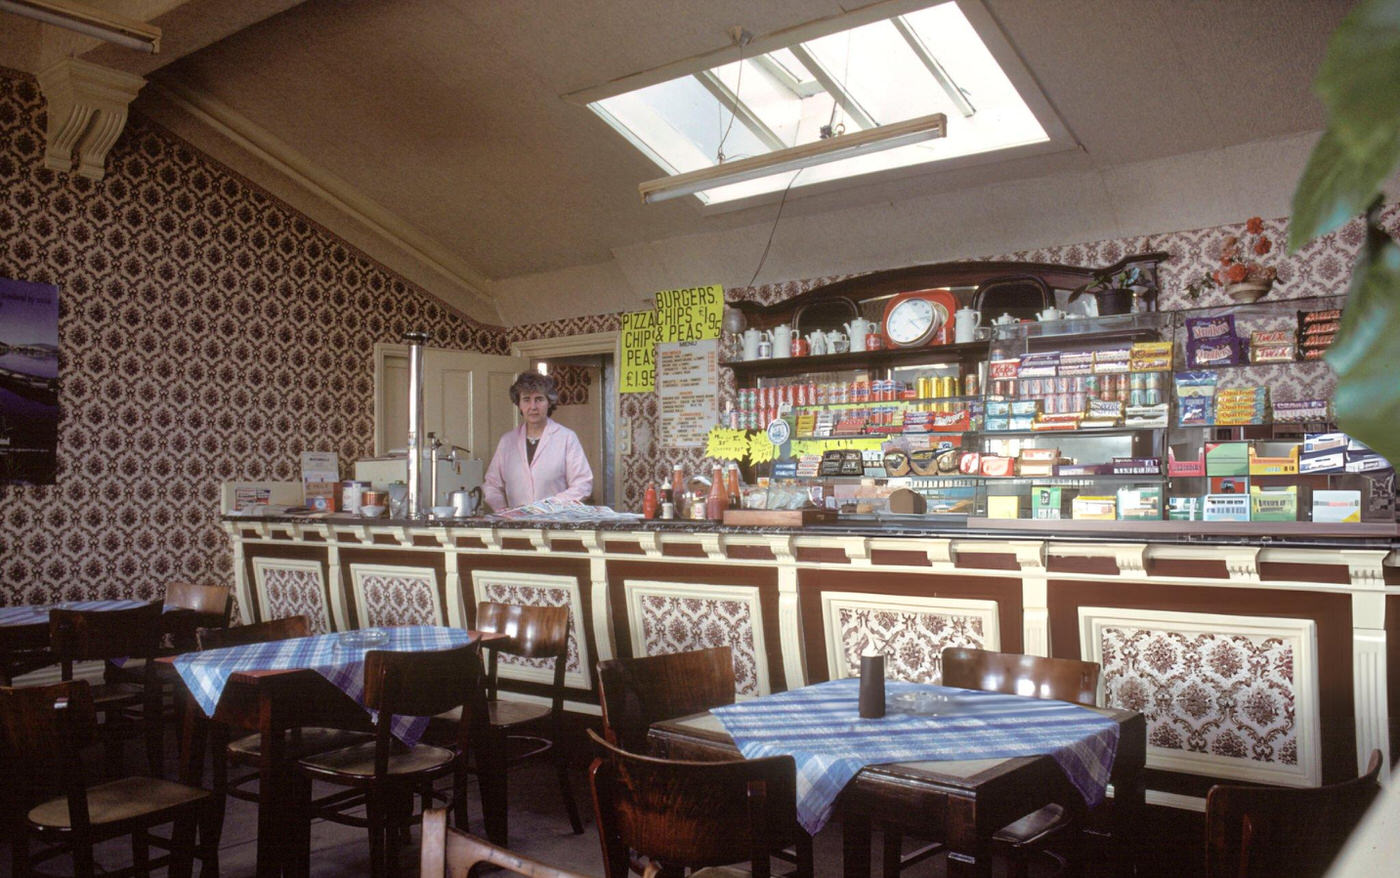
point(836, 342)
point(1005, 320)
point(751, 339)
point(859, 328)
point(782, 340)
point(816, 341)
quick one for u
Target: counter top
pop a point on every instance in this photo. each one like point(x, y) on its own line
point(1369, 534)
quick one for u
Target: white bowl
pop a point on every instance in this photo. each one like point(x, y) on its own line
point(444, 512)
point(371, 511)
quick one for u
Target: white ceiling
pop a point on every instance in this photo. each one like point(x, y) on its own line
point(435, 134)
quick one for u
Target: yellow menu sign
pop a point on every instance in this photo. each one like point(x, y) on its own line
point(638, 372)
point(689, 314)
point(726, 444)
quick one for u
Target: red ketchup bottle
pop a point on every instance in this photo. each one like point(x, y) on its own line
point(649, 502)
point(718, 501)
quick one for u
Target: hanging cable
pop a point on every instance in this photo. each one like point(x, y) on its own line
point(741, 38)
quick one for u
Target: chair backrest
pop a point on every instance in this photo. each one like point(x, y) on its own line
point(1257, 830)
point(255, 632)
point(694, 814)
point(449, 852)
point(88, 635)
point(637, 692)
point(42, 731)
point(1015, 674)
point(531, 632)
point(426, 683)
point(207, 600)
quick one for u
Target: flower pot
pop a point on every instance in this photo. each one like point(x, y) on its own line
point(1114, 301)
point(1248, 291)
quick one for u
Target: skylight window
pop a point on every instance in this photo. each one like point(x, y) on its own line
point(925, 61)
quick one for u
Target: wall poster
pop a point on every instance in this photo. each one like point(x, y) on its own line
point(687, 389)
point(28, 383)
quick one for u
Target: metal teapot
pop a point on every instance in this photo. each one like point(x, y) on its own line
point(466, 503)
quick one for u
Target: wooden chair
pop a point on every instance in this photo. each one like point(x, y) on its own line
point(1015, 674)
point(387, 773)
point(452, 853)
point(114, 637)
point(701, 815)
point(1254, 831)
point(637, 692)
point(45, 728)
point(531, 632)
point(189, 607)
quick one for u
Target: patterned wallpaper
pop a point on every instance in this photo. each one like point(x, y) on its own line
point(208, 332)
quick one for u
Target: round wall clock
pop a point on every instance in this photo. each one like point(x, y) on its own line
point(918, 318)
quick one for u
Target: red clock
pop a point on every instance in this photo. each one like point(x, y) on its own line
point(919, 318)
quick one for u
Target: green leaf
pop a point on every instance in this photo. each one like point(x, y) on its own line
point(1366, 351)
point(1337, 185)
point(1357, 80)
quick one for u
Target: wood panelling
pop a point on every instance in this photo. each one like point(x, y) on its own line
point(290, 553)
point(821, 555)
point(683, 550)
point(1079, 564)
point(811, 583)
point(750, 553)
point(987, 560)
point(898, 558)
point(1331, 613)
point(1334, 574)
point(1195, 568)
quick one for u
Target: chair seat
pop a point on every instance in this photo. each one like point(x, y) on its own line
point(721, 872)
point(114, 696)
point(119, 800)
point(312, 740)
point(358, 761)
point(503, 713)
point(1034, 827)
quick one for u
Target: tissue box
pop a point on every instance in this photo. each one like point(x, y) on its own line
point(1227, 458)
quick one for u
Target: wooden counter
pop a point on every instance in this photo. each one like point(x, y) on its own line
point(1258, 656)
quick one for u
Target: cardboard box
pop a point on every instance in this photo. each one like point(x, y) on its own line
point(1228, 485)
point(1274, 459)
point(1003, 506)
point(1336, 506)
point(1047, 501)
point(1225, 507)
point(321, 496)
point(1094, 508)
point(1140, 503)
point(1227, 458)
point(1331, 461)
point(1274, 503)
point(1184, 508)
point(1180, 462)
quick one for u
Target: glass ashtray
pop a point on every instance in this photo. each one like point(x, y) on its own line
point(923, 703)
point(362, 638)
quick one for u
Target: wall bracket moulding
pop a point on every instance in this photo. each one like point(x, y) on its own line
point(87, 107)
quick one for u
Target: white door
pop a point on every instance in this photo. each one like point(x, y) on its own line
point(466, 398)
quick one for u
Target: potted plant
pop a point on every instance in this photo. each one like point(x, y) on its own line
point(1113, 291)
point(1242, 274)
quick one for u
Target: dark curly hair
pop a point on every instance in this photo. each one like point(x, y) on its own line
point(534, 382)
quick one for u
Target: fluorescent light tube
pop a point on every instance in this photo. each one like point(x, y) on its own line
point(89, 20)
point(841, 146)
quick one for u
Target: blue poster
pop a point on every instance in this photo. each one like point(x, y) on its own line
point(28, 382)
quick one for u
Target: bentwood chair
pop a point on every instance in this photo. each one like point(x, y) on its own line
point(45, 729)
point(1256, 831)
point(246, 752)
point(637, 692)
point(115, 637)
point(695, 815)
point(529, 632)
point(387, 773)
point(451, 853)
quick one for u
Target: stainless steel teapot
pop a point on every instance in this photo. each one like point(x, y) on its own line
point(466, 503)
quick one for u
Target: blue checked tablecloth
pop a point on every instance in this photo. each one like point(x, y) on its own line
point(821, 728)
point(207, 672)
point(39, 615)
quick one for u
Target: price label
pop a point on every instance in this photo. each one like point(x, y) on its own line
point(726, 444)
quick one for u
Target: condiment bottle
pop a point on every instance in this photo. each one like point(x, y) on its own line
point(718, 501)
point(649, 502)
point(731, 486)
point(678, 495)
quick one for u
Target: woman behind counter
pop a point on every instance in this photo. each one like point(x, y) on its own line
point(540, 459)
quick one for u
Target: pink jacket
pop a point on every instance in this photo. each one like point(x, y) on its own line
point(560, 469)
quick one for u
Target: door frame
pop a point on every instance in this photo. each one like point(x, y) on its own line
point(582, 345)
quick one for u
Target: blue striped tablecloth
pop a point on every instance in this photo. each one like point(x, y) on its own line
point(39, 615)
point(821, 728)
point(207, 672)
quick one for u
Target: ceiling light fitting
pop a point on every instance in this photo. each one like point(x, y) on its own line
point(89, 20)
point(797, 157)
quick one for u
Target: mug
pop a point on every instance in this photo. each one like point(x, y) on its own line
point(966, 322)
point(799, 346)
point(874, 342)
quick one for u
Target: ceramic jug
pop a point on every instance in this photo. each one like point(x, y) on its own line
point(751, 339)
point(859, 328)
point(816, 341)
point(966, 321)
point(782, 340)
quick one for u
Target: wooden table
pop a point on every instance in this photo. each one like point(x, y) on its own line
point(961, 802)
point(271, 703)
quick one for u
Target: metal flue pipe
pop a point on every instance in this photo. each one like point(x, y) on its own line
point(415, 505)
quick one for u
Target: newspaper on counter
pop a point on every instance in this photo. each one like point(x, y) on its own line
point(561, 510)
